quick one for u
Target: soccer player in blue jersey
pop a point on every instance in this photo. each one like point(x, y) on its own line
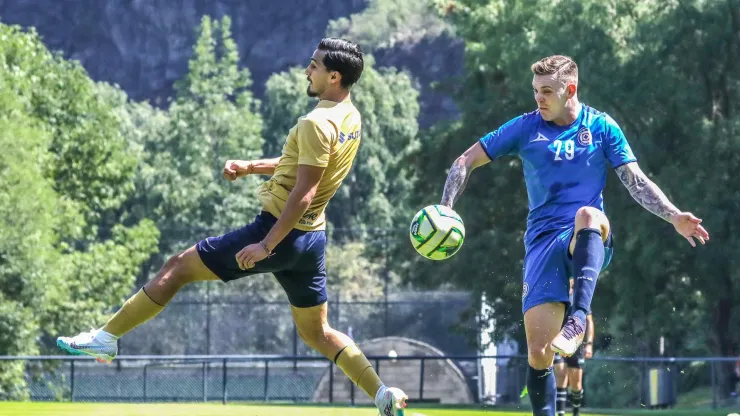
point(565, 148)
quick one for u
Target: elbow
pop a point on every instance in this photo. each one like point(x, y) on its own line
point(463, 161)
point(308, 198)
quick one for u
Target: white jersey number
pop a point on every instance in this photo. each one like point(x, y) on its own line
point(569, 148)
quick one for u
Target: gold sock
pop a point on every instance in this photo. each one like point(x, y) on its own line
point(137, 310)
point(356, 366)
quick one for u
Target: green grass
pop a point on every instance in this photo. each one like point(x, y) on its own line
point(167, 409)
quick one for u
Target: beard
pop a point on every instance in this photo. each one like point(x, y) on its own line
point(310, 92)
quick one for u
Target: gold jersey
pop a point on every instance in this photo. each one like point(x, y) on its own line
point(328, 137)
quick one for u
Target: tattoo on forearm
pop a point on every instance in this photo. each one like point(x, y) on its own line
point(646, 193)
point(456, 180)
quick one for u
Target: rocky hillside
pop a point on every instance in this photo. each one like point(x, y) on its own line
point(144, 45)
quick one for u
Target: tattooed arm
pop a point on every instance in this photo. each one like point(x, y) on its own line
point(645, 191)
point(647, 194)
point(460, 171)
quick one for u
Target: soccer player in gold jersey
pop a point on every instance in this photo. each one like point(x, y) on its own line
point(287, 238)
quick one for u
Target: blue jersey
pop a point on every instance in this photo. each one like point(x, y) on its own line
point(565, 167)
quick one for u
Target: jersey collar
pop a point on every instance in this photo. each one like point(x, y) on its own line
point(329, 104)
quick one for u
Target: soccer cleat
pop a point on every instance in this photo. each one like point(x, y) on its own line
point(569, 338)
point(390, 401)
point(88, 343)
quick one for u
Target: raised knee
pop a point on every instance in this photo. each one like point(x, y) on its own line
point(540, 356)
point(175, 270)
point(589, 215)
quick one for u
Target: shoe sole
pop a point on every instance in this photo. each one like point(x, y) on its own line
point(561, 351)
point(70, 350)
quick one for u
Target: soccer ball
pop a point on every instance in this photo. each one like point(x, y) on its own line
point(437, 232)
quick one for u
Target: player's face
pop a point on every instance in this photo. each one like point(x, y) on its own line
point(317, 74)
point(551, 94)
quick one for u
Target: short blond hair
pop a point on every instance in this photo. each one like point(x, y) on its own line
point(563, 67)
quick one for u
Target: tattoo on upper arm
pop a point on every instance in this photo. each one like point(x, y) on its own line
point(645, 192)
point(456, 180)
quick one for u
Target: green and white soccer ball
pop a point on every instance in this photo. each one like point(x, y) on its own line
point(437, 232)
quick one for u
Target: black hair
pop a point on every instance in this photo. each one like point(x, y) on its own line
point(344, 57)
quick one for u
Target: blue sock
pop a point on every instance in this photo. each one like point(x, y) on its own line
point(588, 257)
point(541, 391)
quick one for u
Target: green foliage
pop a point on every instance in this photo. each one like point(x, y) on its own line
point(64, 168)
point(351, 273)
point(83, 131)
point(385, 23)
point(182, 150)
point(285, 101)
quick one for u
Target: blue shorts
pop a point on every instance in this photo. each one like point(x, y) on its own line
point(297, 262)
point(548, 267)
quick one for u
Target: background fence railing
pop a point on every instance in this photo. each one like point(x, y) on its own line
point(610, 382)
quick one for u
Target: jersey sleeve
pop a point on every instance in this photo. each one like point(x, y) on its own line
point(504, 140)
point(314, 143)
point(616, 148)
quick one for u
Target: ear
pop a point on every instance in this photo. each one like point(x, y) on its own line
point(571, 90)
point(336, 76)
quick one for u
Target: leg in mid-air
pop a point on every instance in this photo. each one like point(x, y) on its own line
point(561, 383)
point(590, 248)
point(149, 301)
point(541, 323)
point(212, 258)
point(314, 330)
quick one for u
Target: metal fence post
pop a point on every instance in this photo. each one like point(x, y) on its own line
point(72, 379)
point(223, 397)
point(714, 385)
point(267, 377)
point(331, 382)
point(146, 366)
point(295, 347)
point(421, 381)
point(205, 381)
point(351, 392)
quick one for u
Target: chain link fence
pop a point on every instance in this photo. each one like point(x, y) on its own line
point(227, 323)
point(610, 382)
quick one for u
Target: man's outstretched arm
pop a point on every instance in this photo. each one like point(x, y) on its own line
point(238, 168)
point(460, 171)
point(649, 195)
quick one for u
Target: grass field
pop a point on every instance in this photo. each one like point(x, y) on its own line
point(95, 409)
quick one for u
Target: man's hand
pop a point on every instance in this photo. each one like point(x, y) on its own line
point(689, 227)
point(236, 169)
point(251, 254)
point(588, 351)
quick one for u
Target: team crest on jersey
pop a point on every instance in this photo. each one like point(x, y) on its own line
point(584, 137)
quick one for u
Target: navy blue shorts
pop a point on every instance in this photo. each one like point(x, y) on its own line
point(548, 266)
point(297, 262)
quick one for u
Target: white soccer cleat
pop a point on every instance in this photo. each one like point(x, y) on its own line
point(89, 343)
point(390, 401)
point(569, 338)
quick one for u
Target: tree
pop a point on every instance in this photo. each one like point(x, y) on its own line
point(385, 23)
point(56, 271)
point(213, 118)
